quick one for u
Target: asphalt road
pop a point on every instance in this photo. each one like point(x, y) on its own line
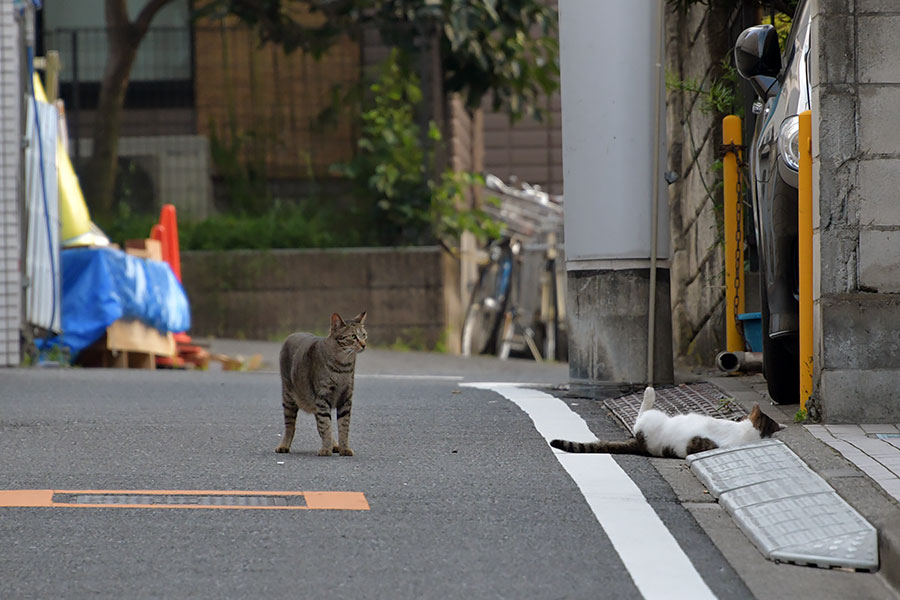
point(466, 499)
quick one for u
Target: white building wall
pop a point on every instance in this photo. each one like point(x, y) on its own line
point(10, 156)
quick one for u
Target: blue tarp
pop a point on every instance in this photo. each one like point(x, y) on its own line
point(102, 285)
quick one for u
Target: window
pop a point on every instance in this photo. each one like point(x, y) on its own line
point(162, 73)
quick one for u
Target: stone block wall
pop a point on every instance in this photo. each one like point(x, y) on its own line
point(697, 41)
point(409, 293)
point(855, 80)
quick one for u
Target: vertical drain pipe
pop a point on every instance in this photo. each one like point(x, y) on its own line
point(654, 202)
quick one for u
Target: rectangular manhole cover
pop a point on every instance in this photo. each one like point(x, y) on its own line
point(202, 499)
point(178, 500)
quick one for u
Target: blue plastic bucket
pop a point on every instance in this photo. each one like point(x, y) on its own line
point(752, 323)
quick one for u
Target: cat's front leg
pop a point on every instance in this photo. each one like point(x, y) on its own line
point(290, 420)
point(343, 424)
point(323, 424)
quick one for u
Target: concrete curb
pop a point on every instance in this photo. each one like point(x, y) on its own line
point(852, 484)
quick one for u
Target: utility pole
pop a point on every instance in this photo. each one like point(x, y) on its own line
point(613, 118)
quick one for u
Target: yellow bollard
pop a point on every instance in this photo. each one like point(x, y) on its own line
point(734, 234)
point(805, 246)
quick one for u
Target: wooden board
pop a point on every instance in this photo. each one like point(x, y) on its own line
point(146, 248)
point(134, 336)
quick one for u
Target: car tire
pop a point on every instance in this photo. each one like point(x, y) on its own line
point(781, 357)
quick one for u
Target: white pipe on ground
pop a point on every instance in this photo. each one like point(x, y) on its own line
point(731, 362)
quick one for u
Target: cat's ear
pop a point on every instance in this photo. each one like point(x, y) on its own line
point(755, 416)
point(360, 318)
point(336, 321)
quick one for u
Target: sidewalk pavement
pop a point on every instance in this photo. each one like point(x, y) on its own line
point(861, 462)
point(862, 467)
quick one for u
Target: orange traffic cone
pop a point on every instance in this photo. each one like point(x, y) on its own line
point(168, 221)
point(167, 233)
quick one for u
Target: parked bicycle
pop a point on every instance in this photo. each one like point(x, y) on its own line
point(503, 316)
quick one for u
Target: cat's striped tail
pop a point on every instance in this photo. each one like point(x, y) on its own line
point(649, 399)
point(632, 446)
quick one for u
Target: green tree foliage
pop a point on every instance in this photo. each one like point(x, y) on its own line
point(782, 23)
point(717, 96)
point(400, 202)
point(504, 48)
point(785, 6)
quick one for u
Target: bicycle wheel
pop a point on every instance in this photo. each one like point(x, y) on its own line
point(486, 307)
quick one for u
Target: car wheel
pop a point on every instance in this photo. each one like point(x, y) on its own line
point(781, 358)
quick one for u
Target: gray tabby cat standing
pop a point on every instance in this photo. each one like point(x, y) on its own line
point(317, 376)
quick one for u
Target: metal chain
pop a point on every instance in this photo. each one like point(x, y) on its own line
point(738, 240)
point(738, 266)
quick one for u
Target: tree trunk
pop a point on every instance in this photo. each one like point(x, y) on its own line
point(101, 169)
point(123, 37)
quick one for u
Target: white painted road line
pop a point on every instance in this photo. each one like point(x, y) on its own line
point(412, 377)
point(658, 566)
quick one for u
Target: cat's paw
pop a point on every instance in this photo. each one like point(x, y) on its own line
point(281, 449)
point(325, 451)
point(336, 449)
point(345, 452)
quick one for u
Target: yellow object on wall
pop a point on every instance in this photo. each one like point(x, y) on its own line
point(74, 218)
point(73, 212)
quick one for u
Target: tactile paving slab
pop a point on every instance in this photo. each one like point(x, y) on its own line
point(785, 508)
point(703, 398)
point(757, 462)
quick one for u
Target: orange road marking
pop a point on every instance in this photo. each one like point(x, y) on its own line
point(314, 500)
point(336, 501)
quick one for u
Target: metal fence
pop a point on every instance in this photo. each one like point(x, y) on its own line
point(252, 109)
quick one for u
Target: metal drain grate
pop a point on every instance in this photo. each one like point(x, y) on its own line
point(178, 500)
point(703, 398)
point(790, 513)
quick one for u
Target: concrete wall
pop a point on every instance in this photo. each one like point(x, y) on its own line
point(411, 294)
point(697, 41)
point(856, 241)
point(608, 317)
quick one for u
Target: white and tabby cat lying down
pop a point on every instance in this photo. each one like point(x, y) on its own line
point(317, 377)
point(658, 434)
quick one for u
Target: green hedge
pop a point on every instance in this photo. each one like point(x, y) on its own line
point(284, 226)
